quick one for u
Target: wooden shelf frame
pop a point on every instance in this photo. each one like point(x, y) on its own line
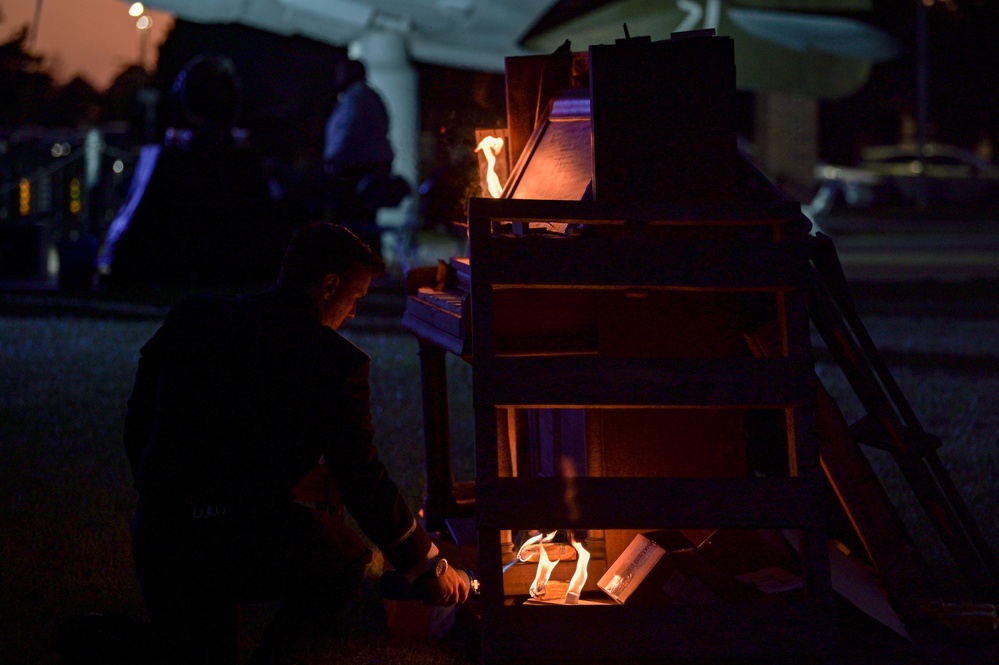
point(772, 258)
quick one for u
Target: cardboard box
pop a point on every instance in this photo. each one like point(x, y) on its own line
point(631, 568)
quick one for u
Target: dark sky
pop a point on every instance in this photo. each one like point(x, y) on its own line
point(962, 73)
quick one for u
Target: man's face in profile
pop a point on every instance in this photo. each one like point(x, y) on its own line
point(339, 299)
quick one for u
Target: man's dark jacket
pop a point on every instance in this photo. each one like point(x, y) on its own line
point(236, 399)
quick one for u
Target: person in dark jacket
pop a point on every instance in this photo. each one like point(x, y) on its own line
point(235, 401)
point(199, 210)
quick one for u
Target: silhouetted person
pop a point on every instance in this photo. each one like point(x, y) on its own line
point(235, 401)
point(199, 210)
point(357, 154)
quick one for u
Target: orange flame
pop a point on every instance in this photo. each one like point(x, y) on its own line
point(490, 146)
point(533, 544)
point(545, 567)
point(578, 577)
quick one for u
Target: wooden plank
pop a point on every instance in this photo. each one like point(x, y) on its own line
point(649, 503)
point(591, 212)
point(709, 264)
point(592, 632)
point(491, 568)
point(487, 467)
point(903, 573)
point(592, 381)
point(486, 443)
point(484, 343)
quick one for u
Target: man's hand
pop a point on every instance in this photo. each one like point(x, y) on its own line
point(449, 589)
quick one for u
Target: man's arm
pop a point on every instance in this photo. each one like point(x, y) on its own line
point(368, 492)
point(374, 499)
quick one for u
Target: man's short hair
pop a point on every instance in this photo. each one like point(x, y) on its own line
point(321, 248)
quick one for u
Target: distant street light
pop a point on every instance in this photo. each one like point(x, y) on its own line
point(143, 23)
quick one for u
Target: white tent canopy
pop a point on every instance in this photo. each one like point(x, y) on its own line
point(815, 54)
point(388, 36)
point(470, 34)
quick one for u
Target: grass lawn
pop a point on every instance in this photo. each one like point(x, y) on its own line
point(65, 490)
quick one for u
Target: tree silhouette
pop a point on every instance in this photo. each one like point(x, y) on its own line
point(75, 104)
point(26, 83)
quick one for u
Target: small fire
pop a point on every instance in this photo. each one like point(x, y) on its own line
point(539, 587)
point(490, 146)
point(536, 544)
point(579, 577)
point(545, 565)
point(533, 544)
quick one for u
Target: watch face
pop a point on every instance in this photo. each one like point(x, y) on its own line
point(441, 568)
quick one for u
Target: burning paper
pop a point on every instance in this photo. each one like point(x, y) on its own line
point(543, 588)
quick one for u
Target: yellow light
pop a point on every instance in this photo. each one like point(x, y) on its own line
point(24, 197)
point(74, 196)
point(137, 9)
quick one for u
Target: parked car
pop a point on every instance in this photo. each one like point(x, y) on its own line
point(895, 173)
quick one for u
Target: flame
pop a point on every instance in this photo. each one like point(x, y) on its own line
point(539, 586)
point(545, 567)
point(490, 146)
point(578, 577)
point(532, 545)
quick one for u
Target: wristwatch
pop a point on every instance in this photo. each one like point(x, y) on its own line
point(440, 567)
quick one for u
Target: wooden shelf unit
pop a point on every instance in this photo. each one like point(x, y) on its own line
point(697, 251)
